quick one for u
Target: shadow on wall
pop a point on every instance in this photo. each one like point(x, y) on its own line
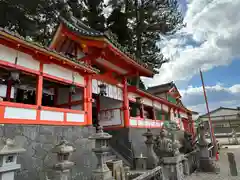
point(39, 140)
point(138, 140)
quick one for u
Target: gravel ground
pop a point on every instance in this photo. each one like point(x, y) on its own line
point(224, 168)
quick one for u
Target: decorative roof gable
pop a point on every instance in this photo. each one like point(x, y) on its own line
point(76, 26)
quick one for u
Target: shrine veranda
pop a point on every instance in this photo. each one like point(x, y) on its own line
point(80, 80)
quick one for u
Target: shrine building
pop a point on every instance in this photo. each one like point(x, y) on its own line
point(82, 79)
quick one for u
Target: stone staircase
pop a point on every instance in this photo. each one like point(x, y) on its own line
point(114, 155)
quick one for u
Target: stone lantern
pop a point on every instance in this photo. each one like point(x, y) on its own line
point(62, 167)
point(102, 171)
point(8, 153)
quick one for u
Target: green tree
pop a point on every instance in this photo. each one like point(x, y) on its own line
point(139, 23)
point(35, 19)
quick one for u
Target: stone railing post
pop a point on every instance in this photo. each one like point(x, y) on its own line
point(62, 167)
point(8, 153)
point(186, 168)
point(232, 164)
point(152, 159)
point(102, 171)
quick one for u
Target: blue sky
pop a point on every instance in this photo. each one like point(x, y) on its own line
point(209, 42)
point(228, 75)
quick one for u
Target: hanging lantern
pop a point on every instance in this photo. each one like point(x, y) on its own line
point(138, 100)
point(102, 88)
point(15, 76)
point(72, 89)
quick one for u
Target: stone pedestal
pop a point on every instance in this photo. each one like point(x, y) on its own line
point(141, 163)
point(152, 159)
point(8, 159)
point(116, 166)
point(102, 171)
point(186, 168)
point(173, 167)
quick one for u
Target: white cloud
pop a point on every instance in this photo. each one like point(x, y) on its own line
point(211, 38)
point(218, 95)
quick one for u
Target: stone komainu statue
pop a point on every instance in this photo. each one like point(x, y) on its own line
point(187, 143)
point(163, 146)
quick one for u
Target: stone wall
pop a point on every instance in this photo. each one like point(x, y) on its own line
point(39, 140)
point(138, 140)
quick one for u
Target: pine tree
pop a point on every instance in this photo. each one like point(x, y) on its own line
point(139, 23)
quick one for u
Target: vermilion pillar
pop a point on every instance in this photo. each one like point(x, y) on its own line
point(39, 90)
point(125, 103)
point(88, 98)
point(39, 86)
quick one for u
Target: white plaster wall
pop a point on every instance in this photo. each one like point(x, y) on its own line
point(73, 117)
point(28, 61)
point(20, 113)
point(9, 55)
point(61, 72)
point(51, 116)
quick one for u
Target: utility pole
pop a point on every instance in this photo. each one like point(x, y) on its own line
point(213, 139)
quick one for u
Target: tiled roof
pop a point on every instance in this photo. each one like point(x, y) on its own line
point(76, 26)
point(161, 88)
point(29, 42)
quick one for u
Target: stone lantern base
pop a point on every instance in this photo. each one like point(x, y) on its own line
point(102, 174)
